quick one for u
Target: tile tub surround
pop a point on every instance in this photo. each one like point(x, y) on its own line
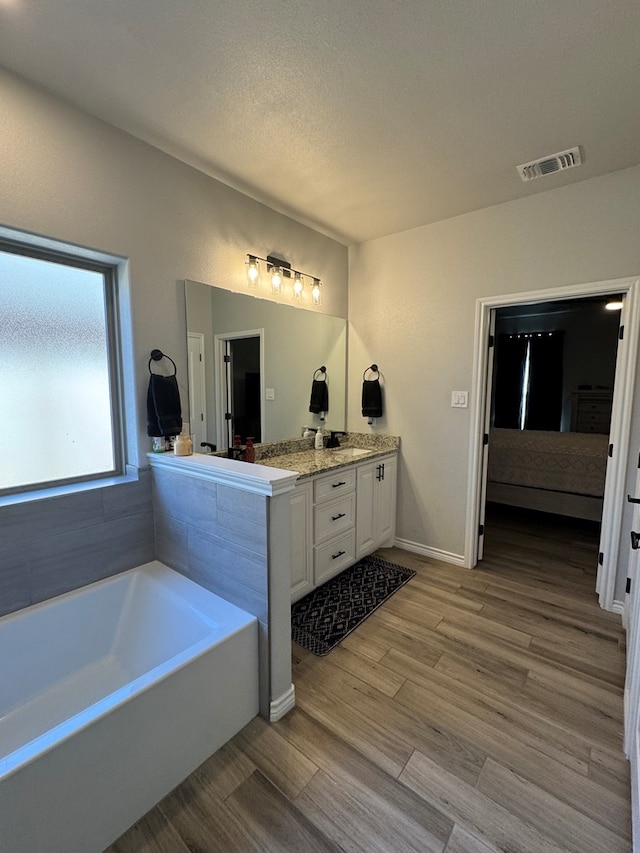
point(225, 525)
point(51, 545)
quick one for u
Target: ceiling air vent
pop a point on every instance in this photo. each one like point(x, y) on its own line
point(548, 165)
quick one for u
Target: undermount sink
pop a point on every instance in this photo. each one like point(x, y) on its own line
point(351, 452)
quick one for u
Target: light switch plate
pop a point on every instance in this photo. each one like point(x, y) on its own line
point(270, 393)
point(459, 399)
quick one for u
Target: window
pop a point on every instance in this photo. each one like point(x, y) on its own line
point(59, 388)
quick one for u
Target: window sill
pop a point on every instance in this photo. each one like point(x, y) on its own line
point(70, 489)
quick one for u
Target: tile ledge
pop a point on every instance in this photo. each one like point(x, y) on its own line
point(69, 489)
point(248, 476)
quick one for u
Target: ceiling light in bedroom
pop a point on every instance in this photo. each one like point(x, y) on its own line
point(614, 305)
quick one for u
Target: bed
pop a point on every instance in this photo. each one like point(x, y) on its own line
point(558, 472)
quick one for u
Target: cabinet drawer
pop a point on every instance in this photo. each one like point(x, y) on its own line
point(333, 556)
point(336, 484)
point(333, 517)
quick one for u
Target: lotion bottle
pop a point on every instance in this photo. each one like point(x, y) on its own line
point(183, 445)
point(319, 443)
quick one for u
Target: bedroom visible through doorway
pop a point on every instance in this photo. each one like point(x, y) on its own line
point(589, 389)
point(550, 405)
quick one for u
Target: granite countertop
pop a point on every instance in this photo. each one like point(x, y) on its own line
point(308, 461)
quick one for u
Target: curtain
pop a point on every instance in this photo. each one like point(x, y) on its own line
point(528, 381)
point(511, 351)
point(544, 409)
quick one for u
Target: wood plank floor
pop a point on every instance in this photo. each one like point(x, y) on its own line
point(474, 712)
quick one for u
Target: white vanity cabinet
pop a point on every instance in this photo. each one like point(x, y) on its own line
point(301, 536)
point(339, 517)
point(334, 521)
point(376, 516)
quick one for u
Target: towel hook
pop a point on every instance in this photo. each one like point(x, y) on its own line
point(322, 369)
point(157, 355)
point(373, 368)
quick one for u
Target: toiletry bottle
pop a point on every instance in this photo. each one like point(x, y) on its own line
point(159, 444)
point(250, 451)
point(183, 445)
point(319, 443)
point(308, 432)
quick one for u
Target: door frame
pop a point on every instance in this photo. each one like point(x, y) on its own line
point(197, 375)
point(620, 420)
point(219, 345)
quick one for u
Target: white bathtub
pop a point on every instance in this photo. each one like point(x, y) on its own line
point(110, 696)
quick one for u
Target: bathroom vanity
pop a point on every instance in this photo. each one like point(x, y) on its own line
point(342, 508)
point(338, 518)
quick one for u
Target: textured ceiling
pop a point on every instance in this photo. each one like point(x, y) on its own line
point(359, 117)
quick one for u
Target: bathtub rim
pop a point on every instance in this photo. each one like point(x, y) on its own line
point(25, 754)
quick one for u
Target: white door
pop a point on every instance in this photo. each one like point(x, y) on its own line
point(197, 396)
point(632, 681)
point(491, 348)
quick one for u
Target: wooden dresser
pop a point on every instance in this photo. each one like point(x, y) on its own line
point(591, 411)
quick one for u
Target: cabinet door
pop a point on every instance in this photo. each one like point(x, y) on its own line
point(365, 526)
point(385, 503)
point(301, 538)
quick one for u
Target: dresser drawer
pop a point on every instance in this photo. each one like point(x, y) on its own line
point(597, 426)
point(333, 485)
point(333, 517)
point(333, 556)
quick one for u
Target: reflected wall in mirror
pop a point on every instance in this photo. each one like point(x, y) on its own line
point(293, 344)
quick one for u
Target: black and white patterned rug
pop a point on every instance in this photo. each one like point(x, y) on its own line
point(322, 619)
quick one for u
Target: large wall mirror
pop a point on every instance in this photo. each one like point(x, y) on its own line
point(255, 360)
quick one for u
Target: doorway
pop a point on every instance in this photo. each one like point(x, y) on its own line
point(613, 502)
point(239, 381)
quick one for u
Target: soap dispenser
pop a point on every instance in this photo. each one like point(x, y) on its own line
point(319, 443)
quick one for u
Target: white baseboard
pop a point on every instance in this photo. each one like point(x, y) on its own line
point(282, 705)
point(434, 553)
point(618, 606)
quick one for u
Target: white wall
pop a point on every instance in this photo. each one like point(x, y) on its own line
point(412, 300)
point(66, 175)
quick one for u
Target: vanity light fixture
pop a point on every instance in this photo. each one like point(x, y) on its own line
point(253, 272)
point(278, 270)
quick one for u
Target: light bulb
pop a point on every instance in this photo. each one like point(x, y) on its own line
point(276, 278)
point(297, 286)
point(315, 291)
point(253, 273)
point(614, 305)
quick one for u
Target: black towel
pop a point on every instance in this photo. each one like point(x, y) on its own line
point(371, 398)
point(319, 397)
point(164, 415)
